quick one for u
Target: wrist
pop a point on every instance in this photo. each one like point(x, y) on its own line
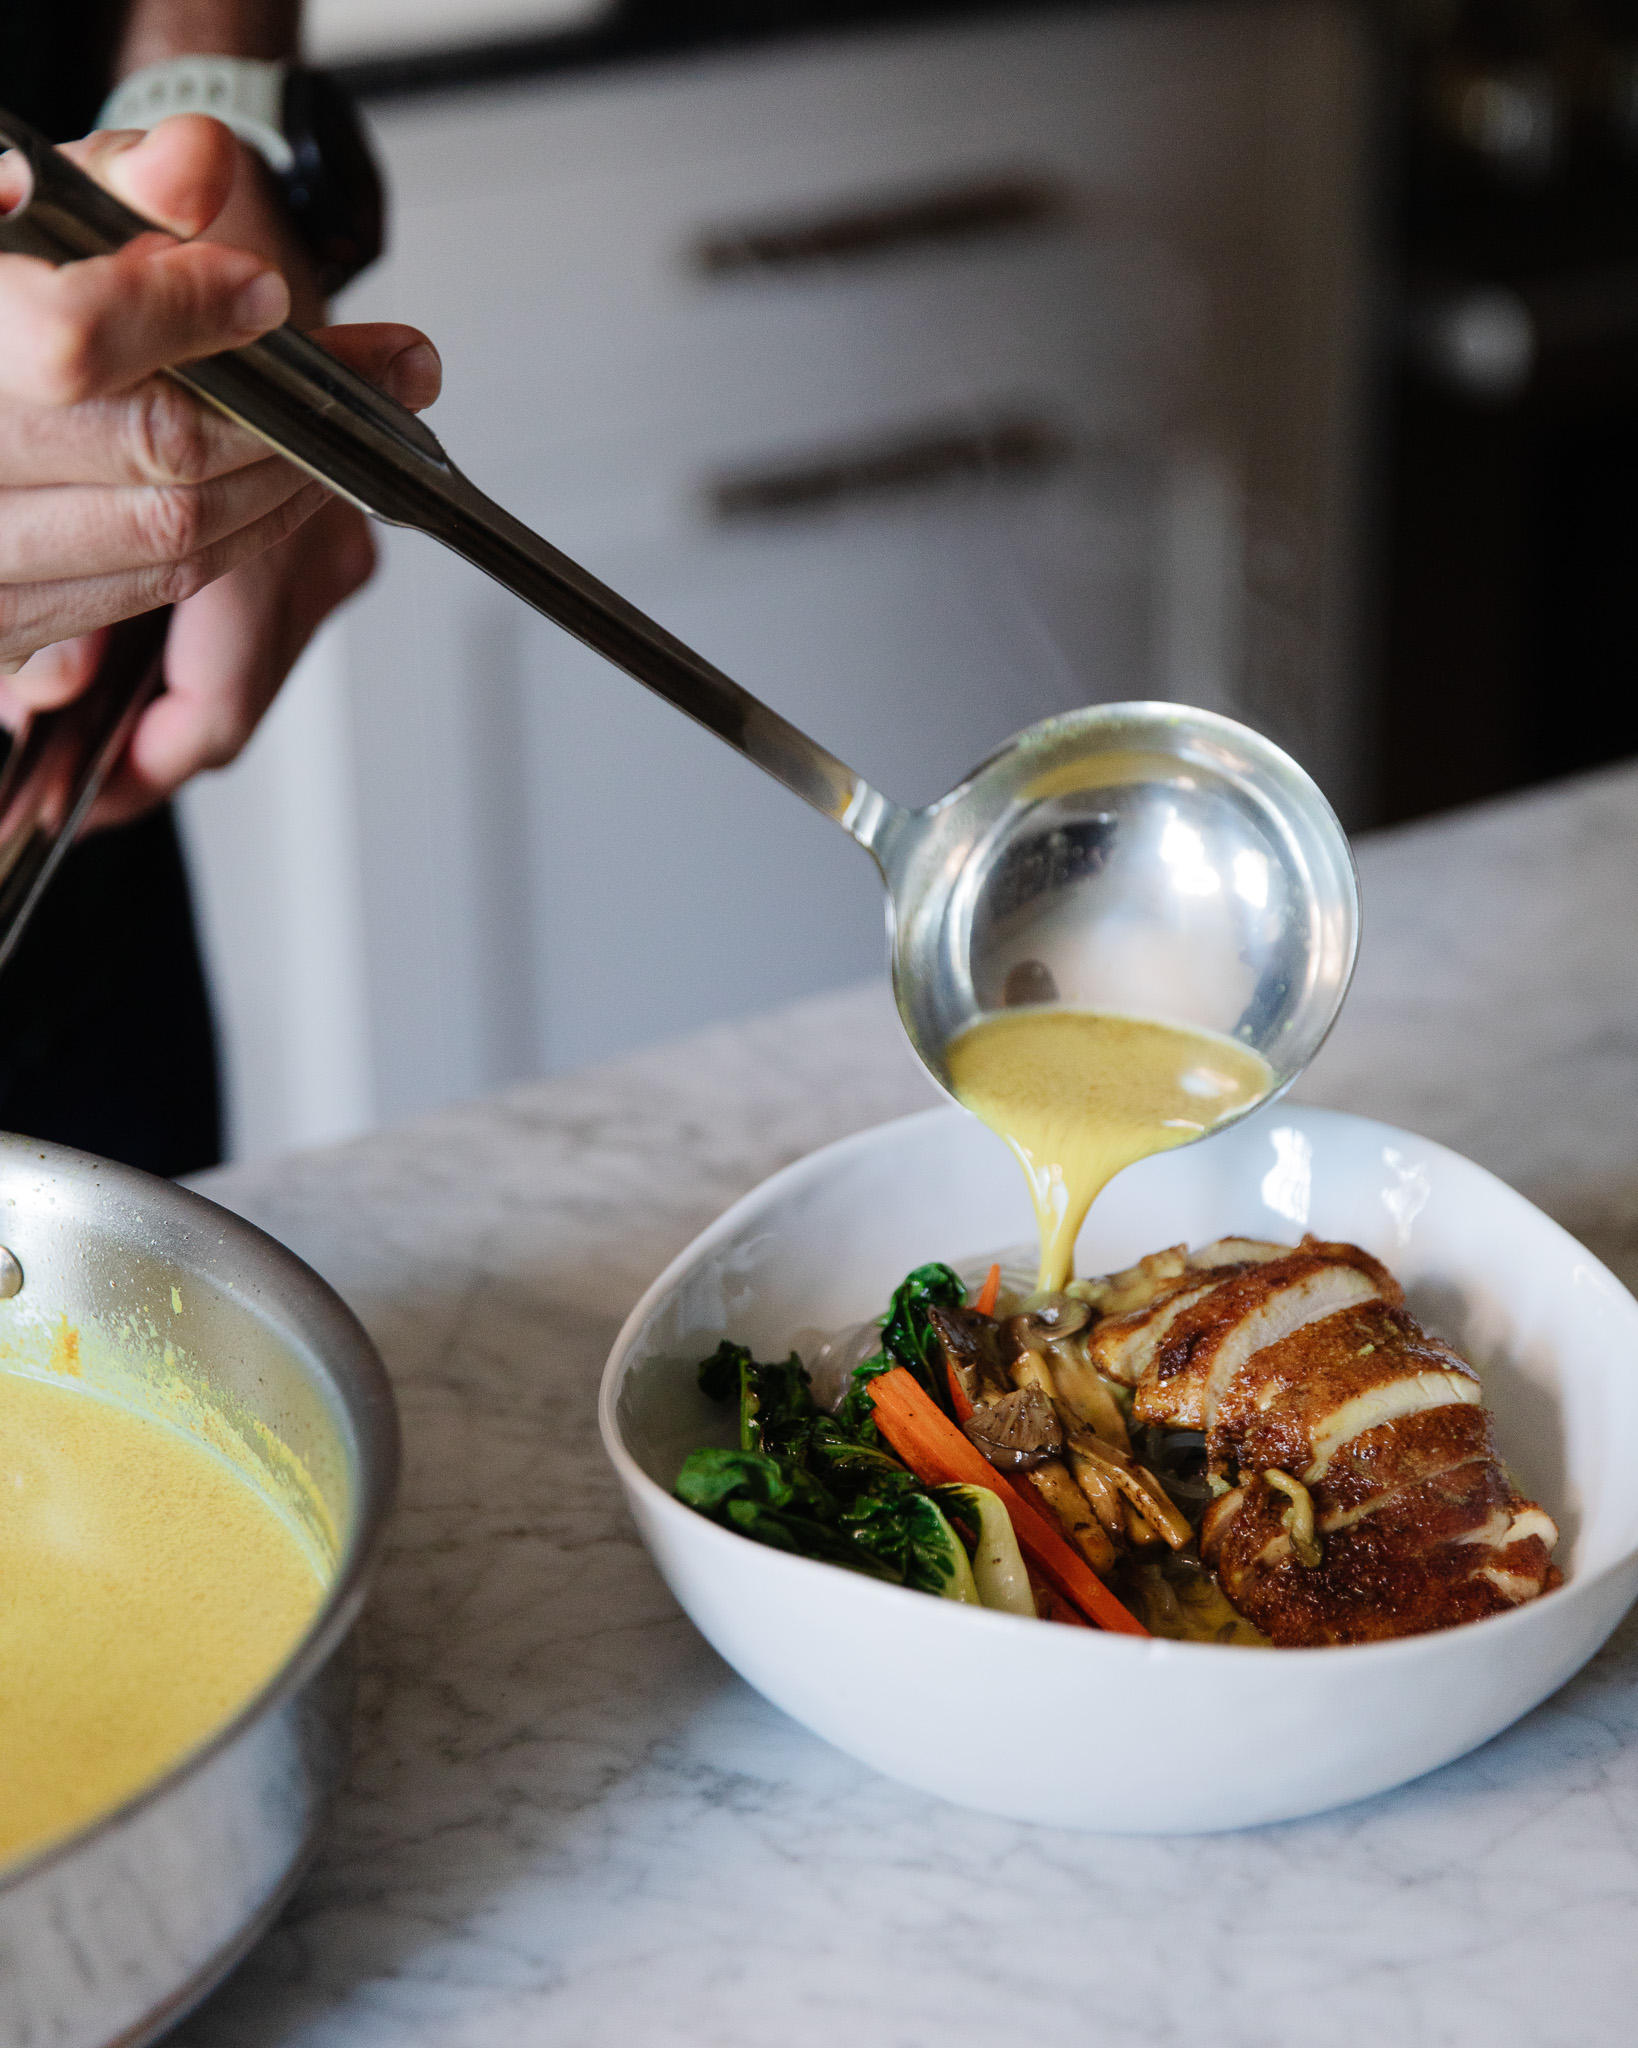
point(244, 94)
point(257, 217)
point(302, 125)
point(158, 30)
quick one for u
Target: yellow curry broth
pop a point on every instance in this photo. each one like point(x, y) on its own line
point(148, 1589)
point(1079, 1094)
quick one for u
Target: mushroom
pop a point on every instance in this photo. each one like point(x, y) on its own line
point(1099, 1466)
point(1086, 1394)
point(1048, 1350)
point(1074, 1517)
point(1051, 1319)
point(1017, 1431)
point(971, 1347)
point(1298, 1519)
point(1162, 1610)
point(1097, 1482)
point(1030, 1369)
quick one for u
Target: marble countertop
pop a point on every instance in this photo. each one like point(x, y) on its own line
point(569, 1822)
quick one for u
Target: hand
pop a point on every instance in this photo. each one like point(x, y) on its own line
point(119, 492)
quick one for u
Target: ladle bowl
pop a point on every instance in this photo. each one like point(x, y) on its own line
point(1143, 858)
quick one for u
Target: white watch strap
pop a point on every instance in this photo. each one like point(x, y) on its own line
point(246, 94)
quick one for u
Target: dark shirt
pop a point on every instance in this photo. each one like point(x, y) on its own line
point(54, 61)
point(106, 1039)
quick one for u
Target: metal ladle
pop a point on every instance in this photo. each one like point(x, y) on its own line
point(1146, 858)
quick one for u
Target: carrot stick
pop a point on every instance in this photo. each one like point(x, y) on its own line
point(1052, 1605)
point(939, 1455)
point(989, 1293)
point(958, 1395)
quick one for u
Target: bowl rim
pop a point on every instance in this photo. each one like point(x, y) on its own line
point(811, 1165)
point(338, 1337)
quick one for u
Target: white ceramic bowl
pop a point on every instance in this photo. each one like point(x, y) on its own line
point(1124, 1734)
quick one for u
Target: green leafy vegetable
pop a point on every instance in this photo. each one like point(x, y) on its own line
point(911, 1538)
point(855, 1414)
point(773, 1399)
point(818, 1485)
point(712, 1478)
point(775, 1503)
point(907, 1336)
point(719, 1375)
point(825, 1486)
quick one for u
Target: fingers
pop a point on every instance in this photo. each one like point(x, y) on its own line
point(160, 434)
point(52, 677)
point(104, 324)
point(401, 360)
point(157, 434)
point(178, 175)
point(35, 615)
point(73, 558)
point(119, 492)
point(229, 650)
point(84, 531)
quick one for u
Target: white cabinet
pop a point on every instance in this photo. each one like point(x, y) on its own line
point(342, 31)
point(929, 383)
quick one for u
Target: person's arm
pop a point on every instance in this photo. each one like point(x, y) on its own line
point(254, 555)
point(157, 29)
point(253, 216)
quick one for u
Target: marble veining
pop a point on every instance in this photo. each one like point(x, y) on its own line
point(568, 1822)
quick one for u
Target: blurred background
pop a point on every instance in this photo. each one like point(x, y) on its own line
point(931, 369)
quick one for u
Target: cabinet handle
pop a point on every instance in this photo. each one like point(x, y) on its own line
point(957, 213)
point(931, 457)
point(1492, 343)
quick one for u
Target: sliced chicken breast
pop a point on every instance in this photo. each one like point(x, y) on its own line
point(1400, 1571)
point(1296, 1402)
point(1206, 1345)
point(1379, 1462)
point(1124, 1347)
point(1365, 1498)
point(1237, 1251)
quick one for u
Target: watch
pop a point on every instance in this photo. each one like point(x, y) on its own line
point(304, 126)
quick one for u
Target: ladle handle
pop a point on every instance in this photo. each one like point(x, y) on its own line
point(60, 760)
point(354, 438)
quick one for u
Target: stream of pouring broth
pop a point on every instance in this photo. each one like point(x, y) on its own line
point(1079, 1094)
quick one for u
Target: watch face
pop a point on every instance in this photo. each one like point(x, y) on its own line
point(333, 188)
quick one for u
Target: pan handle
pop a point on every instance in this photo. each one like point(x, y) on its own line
point(59, 762)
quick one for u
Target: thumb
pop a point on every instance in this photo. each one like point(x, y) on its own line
point(178, 175)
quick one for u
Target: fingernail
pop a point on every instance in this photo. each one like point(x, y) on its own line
point(414, 375)
point(51, 664)
point(262, 303)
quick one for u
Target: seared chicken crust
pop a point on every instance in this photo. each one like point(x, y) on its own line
point(1364, 1497)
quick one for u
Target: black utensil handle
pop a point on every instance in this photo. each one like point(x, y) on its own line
point(60, 760)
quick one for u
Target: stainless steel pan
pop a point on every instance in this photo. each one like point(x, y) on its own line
point(109, 1937)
